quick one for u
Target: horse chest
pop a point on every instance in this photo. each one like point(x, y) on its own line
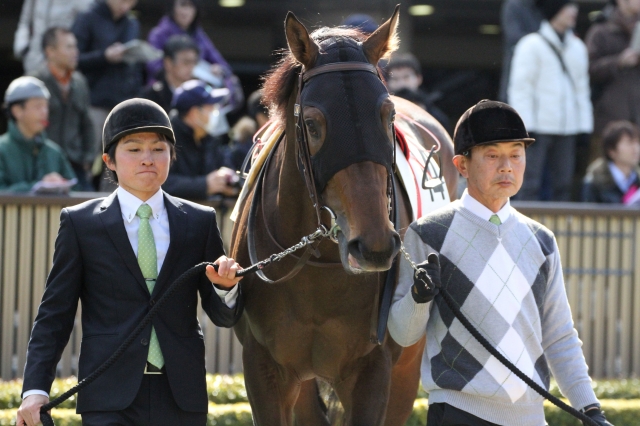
point(313, 322)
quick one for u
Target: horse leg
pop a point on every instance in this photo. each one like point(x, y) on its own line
point(272, 389)
point(405, 379)
point(365, 393)
point(309, 409)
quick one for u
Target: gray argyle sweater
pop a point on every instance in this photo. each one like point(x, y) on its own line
point(507, 280)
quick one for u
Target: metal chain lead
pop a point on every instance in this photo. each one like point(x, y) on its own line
point(319, 234)
point(418, 271)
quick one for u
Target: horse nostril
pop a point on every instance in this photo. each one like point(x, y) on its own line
point(396, 243)
point(355, 248)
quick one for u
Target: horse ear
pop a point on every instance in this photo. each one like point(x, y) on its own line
point(384, 40)
point(302, 46)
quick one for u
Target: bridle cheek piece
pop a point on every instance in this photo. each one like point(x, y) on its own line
point(305, 163)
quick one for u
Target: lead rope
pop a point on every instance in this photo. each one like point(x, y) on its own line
point(319, 234)
point(493, 351)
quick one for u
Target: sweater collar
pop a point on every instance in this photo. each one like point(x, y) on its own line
point(480, 210)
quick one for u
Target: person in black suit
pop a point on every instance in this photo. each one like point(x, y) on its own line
point(118, 255)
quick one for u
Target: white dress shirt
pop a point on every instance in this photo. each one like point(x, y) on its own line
point(159, 222)
point(480, 210)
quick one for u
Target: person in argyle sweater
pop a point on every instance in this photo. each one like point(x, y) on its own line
point(503, 270)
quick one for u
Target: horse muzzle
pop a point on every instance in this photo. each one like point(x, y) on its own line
point(366, 256)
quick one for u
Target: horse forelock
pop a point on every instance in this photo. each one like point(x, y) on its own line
point(280, 81)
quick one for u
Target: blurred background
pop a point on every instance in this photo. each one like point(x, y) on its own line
point(458, 42)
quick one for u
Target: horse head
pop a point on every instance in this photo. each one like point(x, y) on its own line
point(347, 124)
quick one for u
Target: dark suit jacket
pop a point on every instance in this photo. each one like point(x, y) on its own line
point(95, 263)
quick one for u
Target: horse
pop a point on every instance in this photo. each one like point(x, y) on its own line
point(317, 325)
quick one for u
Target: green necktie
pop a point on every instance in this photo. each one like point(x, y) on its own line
point(495, 220)
point(148, 261)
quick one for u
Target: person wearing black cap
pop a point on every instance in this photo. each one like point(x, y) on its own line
point(503, 270)
point(549, 87)
point(118, 255)
point(199, 171)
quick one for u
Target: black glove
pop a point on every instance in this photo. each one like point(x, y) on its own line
point(597, 416)
point(426, 282)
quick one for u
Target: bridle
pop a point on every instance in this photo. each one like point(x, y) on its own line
point(302, 143)
point(305, 168)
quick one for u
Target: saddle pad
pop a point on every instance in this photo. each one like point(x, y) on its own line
point(267, 141)
point(410, 170)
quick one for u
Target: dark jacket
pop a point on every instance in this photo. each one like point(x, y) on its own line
point(94, 262)
point(23, 162)
point(599, 185)
point(618, 89)
point(188, 173)
point(96, 30)
point(159, 92)
point(70, 125)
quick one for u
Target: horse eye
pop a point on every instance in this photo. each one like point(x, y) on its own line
point(311, 128)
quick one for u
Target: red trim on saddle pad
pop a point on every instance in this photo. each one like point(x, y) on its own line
point(402, 143)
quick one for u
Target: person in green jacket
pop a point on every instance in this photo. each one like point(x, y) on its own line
point(26, 155)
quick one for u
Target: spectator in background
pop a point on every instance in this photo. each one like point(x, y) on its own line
point(70, 125)
point(615, 68)
point(26, 155)
point(182, 18)
point(364, 23)
point(102, 32)
point(180, 57)
point(36, 17)
point(198, 172)
point(614, 178)
point(404, 80)
point(549, 87)
point(517, 19)
point(256, 110)
point(241, 136)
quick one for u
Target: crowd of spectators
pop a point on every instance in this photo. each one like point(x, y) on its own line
point(78, 57)
point(568, 93)
point(579, 99)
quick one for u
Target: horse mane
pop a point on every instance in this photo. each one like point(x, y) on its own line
point(279, 82)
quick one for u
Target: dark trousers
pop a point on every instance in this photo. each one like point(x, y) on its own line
point(556, 156)
point(448, 415)
point(153, 406)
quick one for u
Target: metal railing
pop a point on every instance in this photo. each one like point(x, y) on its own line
point(599, 246)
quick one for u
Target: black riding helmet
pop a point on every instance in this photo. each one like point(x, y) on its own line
point(135, 116)
point(489, 122)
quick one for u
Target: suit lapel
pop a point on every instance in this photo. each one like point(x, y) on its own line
point(177, 237)
point(111, 217)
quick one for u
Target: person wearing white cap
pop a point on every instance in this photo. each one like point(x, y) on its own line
point(26, 155)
